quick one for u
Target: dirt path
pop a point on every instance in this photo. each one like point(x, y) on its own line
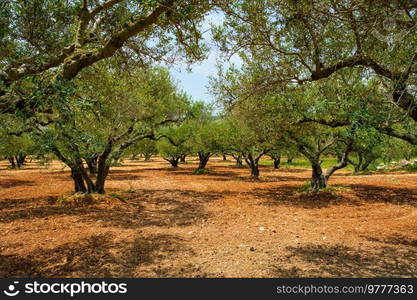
point(220, 224)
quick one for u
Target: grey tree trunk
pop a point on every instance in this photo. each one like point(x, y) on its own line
point(253, 164)
point(318, 179)
point(79, 185)
point(277, 162)
point(239, 160)
point(203, 159)
point(12, 162)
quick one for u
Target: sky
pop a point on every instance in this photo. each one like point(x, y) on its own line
point(196, 82)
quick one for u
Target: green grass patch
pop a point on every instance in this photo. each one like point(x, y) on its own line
point(330, 188)
point(304, 188)
point(305, 164)
point(410, 168)
point(117, 196)
point(201, 171)
point(393, 180)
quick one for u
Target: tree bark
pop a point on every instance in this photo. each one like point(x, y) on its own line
point(92, 165)
point(79, 185)
point(203, 158)
point(277, 162)
point(253, 164)
point(366, 163)
point(101, 179)
point(318, 179)
point(343, 162)
point(103, 168)
point(182, 159)
point(255, 171)
point(12, 162)
point(173, 161)
point(239, 160)
point(91, 187)
point(20, 160)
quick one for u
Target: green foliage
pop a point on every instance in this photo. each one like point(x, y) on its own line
point(14, 145)
point(145, 147)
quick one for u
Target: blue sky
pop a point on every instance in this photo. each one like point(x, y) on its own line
point(196, 82)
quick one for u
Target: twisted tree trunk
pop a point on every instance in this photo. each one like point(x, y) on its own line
point(77, 177)
point(203, 159)
point(92, 164)
point(173, 160)
point(253, 163)
point(12, 162)
point(318, 179)
point(20, 160)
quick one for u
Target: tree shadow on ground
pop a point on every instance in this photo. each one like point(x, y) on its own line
point(399, 196)
point(291, 196)
point(25, 210)
point(341, 261)
point(118, 177)
point(12, 183)
point(283, 169)
point(142, 170)
point(396, 240)
point(164, 208)
point(102, 256)
point(23, 203)
point(364, 194)
point(231, 176)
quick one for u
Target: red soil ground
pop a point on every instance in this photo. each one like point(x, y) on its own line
point(222, 224)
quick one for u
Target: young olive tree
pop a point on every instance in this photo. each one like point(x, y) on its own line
point(15, 144)
point(252, 133)
point(16, 148)
point(176, 146)
point(146, 148)
point(205, 142)
point(318, 142)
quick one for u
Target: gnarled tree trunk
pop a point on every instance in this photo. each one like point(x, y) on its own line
point(77, 177)
point(92, 164)
point(12, 162)
point(20, 160)
point(203, 159)
point(277, 161)
point(253, 163)
point(173, 160)
point(318, 179)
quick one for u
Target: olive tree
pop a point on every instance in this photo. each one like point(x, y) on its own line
point(176, 146)
point(106, 116)
point(283, 43)
point(57, 39)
